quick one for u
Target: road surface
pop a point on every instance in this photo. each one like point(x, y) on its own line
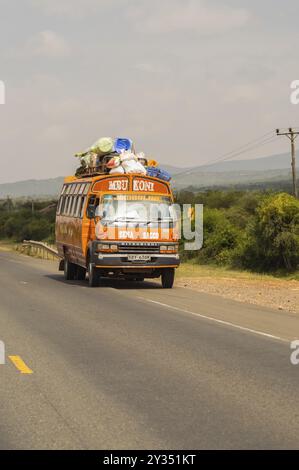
point(129, 366)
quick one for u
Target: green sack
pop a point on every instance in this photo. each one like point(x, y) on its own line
point(103, 146)
point(86, 160)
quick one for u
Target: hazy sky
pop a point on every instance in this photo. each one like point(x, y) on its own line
point(188, 80)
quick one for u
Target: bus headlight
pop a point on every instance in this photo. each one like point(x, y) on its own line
point(169, 248)
point(104, 247)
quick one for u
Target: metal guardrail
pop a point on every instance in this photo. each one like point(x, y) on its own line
point(40, 247)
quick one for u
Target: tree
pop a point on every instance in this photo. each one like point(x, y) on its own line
point(273, 241)
point(220, 237)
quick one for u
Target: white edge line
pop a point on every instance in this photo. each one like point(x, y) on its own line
point(216, 320)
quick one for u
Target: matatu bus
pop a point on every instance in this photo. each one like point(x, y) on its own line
point(117, 226)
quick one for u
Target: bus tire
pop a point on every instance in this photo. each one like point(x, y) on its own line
point(167, 278)
point(81, 273)
point(93, 276)
point(69, 270)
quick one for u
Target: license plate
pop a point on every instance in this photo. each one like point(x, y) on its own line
point(139, 257)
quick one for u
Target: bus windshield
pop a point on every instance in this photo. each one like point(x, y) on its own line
point(143, 209)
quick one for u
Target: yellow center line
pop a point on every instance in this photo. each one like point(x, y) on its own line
point(20, 365)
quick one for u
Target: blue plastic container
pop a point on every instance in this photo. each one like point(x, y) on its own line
point(152, 171)
point(156, 172)
point(122, 144)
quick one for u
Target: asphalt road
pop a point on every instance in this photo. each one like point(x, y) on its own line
point(133, 366)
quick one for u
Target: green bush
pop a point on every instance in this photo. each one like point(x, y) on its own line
point(19, 222)
point(36, 230)
point(248, 229)
point(221, 237)
point(273, 238)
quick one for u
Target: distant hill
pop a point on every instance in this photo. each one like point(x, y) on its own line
point(272, 169)
point(272, 162)
point(173, 170)
point(203, 179)
point(32, 188)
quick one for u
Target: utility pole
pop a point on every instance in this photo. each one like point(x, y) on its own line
point(8, 204)
point(292, 135)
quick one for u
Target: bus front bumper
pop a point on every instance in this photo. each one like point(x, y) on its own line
point(119, 260)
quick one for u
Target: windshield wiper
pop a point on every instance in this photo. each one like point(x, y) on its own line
point(162, 219)
point(118, 219)
point(147, 222)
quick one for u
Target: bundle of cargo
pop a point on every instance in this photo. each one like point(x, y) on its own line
point(92, 159)
point(126, 162)
point(117, 156)
point(157, 172)
point(96, 157)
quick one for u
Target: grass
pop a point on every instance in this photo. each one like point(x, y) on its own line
point(7, 245)
point(194, 270)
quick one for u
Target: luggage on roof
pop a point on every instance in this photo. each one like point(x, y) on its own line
point(117, 156)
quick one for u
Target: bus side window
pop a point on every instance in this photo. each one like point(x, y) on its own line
point(77, 206)
point(62, 210)
point(82, 204)
point(64, 205)
point(67, 206)
point(59, 205)
point(69, 202)
point(72, 206)
point(86, 189)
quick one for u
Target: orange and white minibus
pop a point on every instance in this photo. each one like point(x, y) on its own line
point(117, 226)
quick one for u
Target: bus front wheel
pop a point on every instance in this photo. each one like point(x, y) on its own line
point(93, 276)
point(167, 278)
point(81, 273)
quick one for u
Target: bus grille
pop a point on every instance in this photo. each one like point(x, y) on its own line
point(138, 248)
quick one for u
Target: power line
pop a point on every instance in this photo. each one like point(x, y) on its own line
point(251, 145)
point(241, 148)
point(237, 154)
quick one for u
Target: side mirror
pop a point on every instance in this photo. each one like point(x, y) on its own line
point(91, 210)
